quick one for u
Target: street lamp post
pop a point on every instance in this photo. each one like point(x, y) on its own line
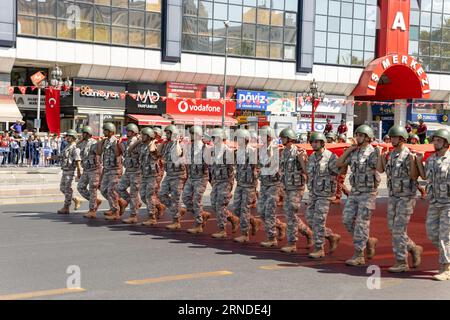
point(55, 82)
point(315, 96)
point(227, 24)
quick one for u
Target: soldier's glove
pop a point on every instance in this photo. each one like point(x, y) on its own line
point(153, 146)
point(178, 149)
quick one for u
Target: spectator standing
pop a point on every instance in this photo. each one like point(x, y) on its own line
point(422, 131)
point(408, 127)
point(342, 129)
point(328, 127)
point(17, 127)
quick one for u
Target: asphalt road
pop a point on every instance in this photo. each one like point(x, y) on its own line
point(38, 246)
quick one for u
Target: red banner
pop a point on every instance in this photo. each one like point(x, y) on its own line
point(52, 110)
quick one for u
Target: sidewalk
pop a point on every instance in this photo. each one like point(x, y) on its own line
point(41, 185)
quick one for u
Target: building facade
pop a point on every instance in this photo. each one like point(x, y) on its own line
point(275, 48)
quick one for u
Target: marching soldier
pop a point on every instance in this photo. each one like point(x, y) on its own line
point(362, 159)
point(132, 177)
point(197, 181)
point(222, 181)
point(70, 160)
point(322, 173)
point(331, 137)
point(175, 175)
point(91, 172)
point(401, 171)
point(246, 176)
point(148, 162)
point(159, 140)
point(342, 138)
point(270, 183)
point(111, 154)
point(437, 174)
point(293, 168)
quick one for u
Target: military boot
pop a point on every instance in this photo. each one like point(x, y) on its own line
point(234, 222)
point(243, 238)
point(400, 266)
point(281, 230)
point(122, 205)
point(108, 213)
point(333, 241)
point(444, 273)
point(317, 253)
point(256, 225)
point(174, 225)
point(198, 228)
point(77, 203)
point(183, 211)
point(150, 222)
point(115, 216)
point(63, 210)
point(269, 243)
point(357, 259)
point(308, 234)
point(221, 234)
point(205, 217)
point(131, 220)
point(289, 248)
point(416, 254)
point(91, 214)
point(370, 249)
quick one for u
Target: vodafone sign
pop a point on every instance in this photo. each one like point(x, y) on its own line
point(199, 106)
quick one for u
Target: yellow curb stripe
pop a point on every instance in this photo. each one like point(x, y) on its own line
point(36, 294)
point(180, 277)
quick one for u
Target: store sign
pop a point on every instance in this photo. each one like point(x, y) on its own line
point(96, 93)
point(198, 99)
point(281, 103)
point(148, 99)
point(251, 100)
point(28, 101)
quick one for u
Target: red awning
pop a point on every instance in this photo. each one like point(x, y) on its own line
point(391, 77)
point(202, 120)
point(150, 120)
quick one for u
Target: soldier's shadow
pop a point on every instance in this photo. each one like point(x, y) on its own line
point(273, 259)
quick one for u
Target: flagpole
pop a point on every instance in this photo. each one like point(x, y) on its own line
point(39, 110)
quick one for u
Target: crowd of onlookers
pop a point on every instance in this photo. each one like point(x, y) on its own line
point(28, 147)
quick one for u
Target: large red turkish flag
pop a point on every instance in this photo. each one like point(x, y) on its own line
point(52, 110)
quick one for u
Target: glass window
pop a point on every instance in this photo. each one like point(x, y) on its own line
point(277, 18)
point(219, 46)
point(190, 8)
point(235, 30)
point(289, 52)
point(347, 9)
point(220, 11)
point(205, 27)
point(333, 40)
point(414, 18)
point(154, 5)
point(345, 57)
point(322, 7)
point(290, 19)
point(333, 56)
point(262, 50)
point(120, 3)
point(358, 58)
point(290, 36)
point(119, 17)
point(136, 37)
point(65, 29)
point(371, 28)
point(276, 34)
point(436, 34)
point(205, 9)
point(346, 41)
point(137, 4)
point(358, 42)
point(219, 28)
point(320, 39)
point(321, 23)
point(248, 48)
point(249, 14)
point(276, 51)
point(26, 25)
point(47, 27)
point(320, 55)
point(46, 8)
point(333, 24)
point(262, 33)
point(425, 19)
point(137, 19)
point(102, 14)
point(424, 48)
point(119, 35)
point(85, 32)
point(190, 25)
point(346, 25)
point(204, 44)
point(263, 16)
point(235, 13)
point(369, 44)
point(335, 8)
point(102, 33)
point(28, 7)
point(152, 20)
point(104, 2)
point(358, 26)
point(414, 48)
point(234, 47)
point(359, 11)
point(371, 13)
point(152, 39)
point(248, 31)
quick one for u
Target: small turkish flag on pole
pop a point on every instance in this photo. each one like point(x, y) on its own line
point(52, 110)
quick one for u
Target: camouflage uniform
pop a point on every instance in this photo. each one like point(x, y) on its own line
point(197, 181)
point(222, 180)
point(322, 176)
point(172, 184)
point(112, 169)
point(360, 204)
point(246, 177)
point(270, 182)
point(150, 169)
point(91, 172)
point(401, 202)
point(293, 180)
point(132, 177)
point(69, 156)
point(438, 216)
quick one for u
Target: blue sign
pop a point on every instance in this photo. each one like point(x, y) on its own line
point(251, 100)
